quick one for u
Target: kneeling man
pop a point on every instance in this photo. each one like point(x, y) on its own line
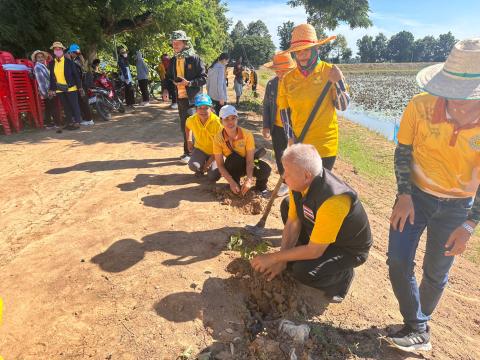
point(326, 234)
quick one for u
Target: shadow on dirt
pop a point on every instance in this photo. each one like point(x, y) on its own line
point(186, 248)
point(142, 180)
point(110, 165)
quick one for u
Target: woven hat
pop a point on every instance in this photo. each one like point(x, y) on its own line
point(179, 35)
point(57, 44)
point(304, 36)
point(457, 78)
point(227, 110)
point(36, 52)
point(281, 61)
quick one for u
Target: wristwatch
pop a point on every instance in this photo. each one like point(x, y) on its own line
point(468, 227)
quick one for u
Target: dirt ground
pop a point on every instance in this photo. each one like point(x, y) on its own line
point(111, 249)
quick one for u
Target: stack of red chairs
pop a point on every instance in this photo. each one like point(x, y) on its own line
point(5, 107)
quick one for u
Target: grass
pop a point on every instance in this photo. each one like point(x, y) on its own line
point(264, 75)
point(369, 153)
point(251, 103)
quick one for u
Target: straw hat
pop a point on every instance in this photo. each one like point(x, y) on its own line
point(36, 52)
point(57, 44)
point(457, 78)
point(304, 36)
point(179, 35)
point(281, 61)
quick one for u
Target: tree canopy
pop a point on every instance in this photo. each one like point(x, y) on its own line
point(253, 44)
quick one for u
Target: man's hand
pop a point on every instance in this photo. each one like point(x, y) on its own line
point(266, 133)
point(51, 93)
point(291, 141)
point(335, 75)
point(457, 242)
point(207, 165)
point(165, 95)
point(234, 187)
point(184, 83)
point(190, 145)
point(275, 270)
point(247, 185)
point(81, 92)
point(402, 211)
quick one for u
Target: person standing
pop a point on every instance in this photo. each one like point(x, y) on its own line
point(216, 82)
point(437, 166)
point(66, 84)
point(42, 75)
point(77, 58)
point(126, 77)
point(238, 81)
point(272, 123)
point(142, 77)
point(187, 72)
point(302, 87)
point(253, 80)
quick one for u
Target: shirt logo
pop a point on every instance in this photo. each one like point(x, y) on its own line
point(189, 66)
point(308, 214)
point(475, 142)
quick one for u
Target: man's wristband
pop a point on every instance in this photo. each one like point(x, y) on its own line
point(468, 227)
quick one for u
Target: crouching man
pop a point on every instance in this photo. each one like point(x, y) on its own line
point(203, 125)
point(326, 233)
point(237, 145)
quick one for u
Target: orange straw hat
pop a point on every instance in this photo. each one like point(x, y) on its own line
point(281, 61)
point(304, 36)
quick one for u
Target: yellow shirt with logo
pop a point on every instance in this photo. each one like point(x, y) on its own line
point(243, 142)
point(180, 67)
point(59, 70)
point(204, 133)
point(329, 217)
point(446, 158)
point(300, 93)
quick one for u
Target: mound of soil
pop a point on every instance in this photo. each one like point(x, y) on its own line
point(250, 204)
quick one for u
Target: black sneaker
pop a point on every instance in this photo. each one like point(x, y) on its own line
point(410, 340)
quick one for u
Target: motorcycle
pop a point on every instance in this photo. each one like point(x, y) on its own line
point(100, 101)
point(101, 81)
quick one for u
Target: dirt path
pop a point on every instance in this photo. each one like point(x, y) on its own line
point(111, 249)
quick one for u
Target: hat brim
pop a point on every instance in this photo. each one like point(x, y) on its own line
point(56, 46)
point(435, 81)
point(272, 66)
point(35, 53)
point(307, 46)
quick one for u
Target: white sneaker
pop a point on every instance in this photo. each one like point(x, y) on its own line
point(197, 165)
point(185, 159)
point(174, 106)
point(283, 191)
point(146, 103)
point(87, 123)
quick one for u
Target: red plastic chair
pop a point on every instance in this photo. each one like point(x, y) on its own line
point(22, 97)
point(4, 119)
point(6, 58)
point(25, 62)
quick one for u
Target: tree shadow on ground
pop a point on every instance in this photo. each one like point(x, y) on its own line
point(142, 180)
point(171, 199)
point(110, 165)
point(186, 247)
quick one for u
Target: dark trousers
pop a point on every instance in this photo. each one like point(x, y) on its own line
point(172, 93)
point(85, 108)
point(217, 106)
point(143, 84)
point(69, 101)
point(129, 94)
point(328, 162)
point(279, 142)
point(198, 157)
point(236, 166)
point(185, 110)
point(50, 114)
point(332, 272)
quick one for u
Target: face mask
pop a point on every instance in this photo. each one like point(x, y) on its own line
point(58, 53)
point(124, 55)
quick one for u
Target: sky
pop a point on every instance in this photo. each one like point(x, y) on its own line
point(420, 17)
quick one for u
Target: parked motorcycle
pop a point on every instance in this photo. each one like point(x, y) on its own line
point(99, 100)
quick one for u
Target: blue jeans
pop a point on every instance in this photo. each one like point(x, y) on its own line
point(440, 216)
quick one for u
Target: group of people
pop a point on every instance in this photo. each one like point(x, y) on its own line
point(327, 232)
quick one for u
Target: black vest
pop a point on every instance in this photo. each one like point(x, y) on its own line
point(354, 235)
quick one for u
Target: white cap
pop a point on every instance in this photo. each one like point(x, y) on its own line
point(227, 110)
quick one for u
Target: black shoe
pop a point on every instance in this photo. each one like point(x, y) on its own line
point(410, 340)
point(260, 153)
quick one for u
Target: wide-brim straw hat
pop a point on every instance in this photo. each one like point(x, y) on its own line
point(57, 44)
point(457, 78)
point(179, 35)
point(36, 52)
point(304, 36)
point(281, 61)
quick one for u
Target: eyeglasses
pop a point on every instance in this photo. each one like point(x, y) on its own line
point(203, 107)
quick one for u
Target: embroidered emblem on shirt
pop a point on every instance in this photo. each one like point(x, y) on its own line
point(475, 142)
point(308, 214)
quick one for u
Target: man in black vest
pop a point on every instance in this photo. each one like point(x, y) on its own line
point(326, 233)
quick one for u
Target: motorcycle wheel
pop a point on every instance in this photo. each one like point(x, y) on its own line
point(103, 110)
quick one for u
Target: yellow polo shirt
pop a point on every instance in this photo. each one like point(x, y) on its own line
point(204, 133)
point(329, 217)
point(59, 71)
point(243, 142)
point(278, 119)
point(446, 158)
point(180, 67)
point(300, 93)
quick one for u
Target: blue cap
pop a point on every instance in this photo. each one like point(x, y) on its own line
point(203, 99)
point(73, 48)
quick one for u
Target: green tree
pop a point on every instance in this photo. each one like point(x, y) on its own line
point(285, 34)
point(327, 14)
point(380, 51)
point(339, 48)
point(257, 28)
point(254, 50)
point(324, 49)
point(347, 55)
point(400, 47)
point(424, 49)
point(365, 49)
point(238, 32)
point(444, 46)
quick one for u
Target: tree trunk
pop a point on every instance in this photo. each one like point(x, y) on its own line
point(115, 27)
